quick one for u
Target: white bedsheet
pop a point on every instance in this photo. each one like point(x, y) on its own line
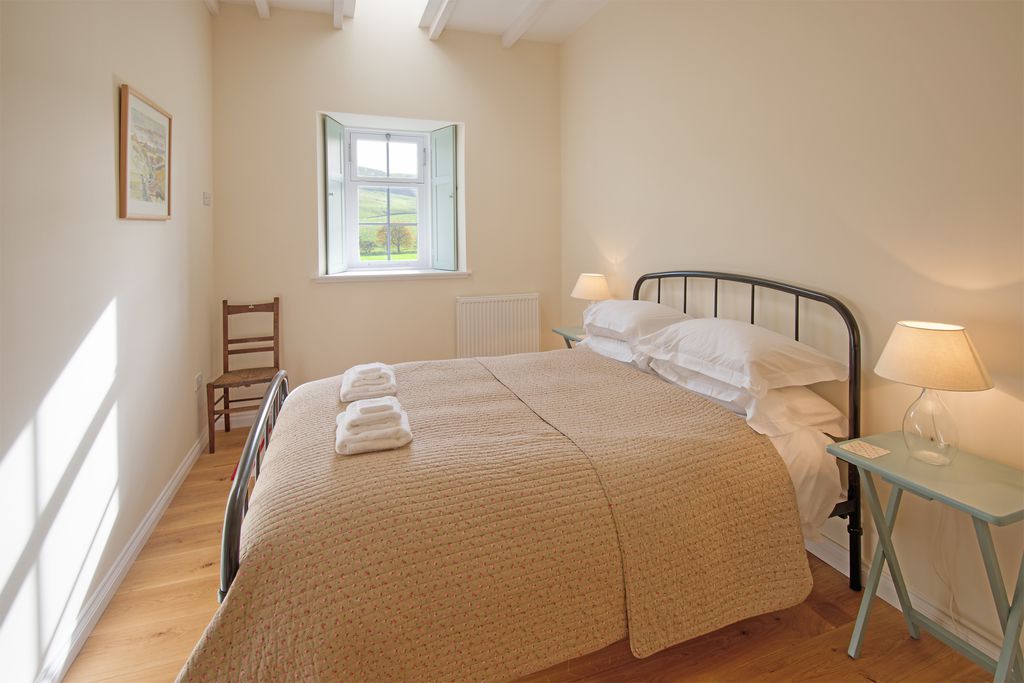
point(815, 476)
point(814, 472)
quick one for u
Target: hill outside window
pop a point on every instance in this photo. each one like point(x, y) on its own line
point(390, 199)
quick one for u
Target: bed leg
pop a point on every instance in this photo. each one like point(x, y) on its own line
point(854, 528)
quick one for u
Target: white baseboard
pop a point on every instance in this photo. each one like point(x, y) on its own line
point(838, 557)
point(61, 655)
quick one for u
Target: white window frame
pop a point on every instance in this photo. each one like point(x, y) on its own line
point(353, 182)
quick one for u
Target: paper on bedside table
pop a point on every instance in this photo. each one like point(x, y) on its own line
point(864, 449)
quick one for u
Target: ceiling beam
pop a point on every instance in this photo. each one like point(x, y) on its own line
point(263, 8)
point(444, 13)
point(523, 22)
point(213, 6)
point(429, 12)
point(341, 10)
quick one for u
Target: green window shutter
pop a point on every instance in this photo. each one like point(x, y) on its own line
point(334, 194)
point(444, 223)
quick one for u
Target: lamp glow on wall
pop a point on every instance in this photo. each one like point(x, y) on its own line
point(933, 356)
point(592, 287)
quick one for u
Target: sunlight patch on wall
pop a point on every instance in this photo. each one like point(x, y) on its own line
point(18, 504)
point(71, 404)
point(59, 494)
point(19, 634)
point(75, 542)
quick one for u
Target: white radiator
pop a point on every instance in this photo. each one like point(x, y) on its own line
point(497, 325)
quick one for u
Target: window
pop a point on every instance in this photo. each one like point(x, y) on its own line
point(390, 199)
point(386, 199)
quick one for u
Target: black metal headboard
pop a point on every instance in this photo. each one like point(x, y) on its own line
point(850, 508)
point(798, 293)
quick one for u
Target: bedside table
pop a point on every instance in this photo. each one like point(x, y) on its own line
point(991, 493)
point(570, 334)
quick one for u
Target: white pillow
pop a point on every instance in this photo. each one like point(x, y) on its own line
point(778, 412)
point(731, 397)
point(628, 320)
point(743, 355)
point(790, 409)
point(616, 349)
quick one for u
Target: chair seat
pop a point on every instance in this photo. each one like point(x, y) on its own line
point(244, 377)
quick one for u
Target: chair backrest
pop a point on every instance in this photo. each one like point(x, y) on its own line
point(240, 345)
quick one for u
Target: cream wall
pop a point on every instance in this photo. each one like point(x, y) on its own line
point(871, 150)
point(104, 321)
point(270, 80)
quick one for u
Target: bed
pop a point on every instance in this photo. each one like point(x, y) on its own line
point(549, 505)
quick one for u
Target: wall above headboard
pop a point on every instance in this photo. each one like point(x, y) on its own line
point(869, 150)
point(848, 147)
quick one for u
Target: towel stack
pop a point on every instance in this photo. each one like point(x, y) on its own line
point(370, 380)
point(376, 424)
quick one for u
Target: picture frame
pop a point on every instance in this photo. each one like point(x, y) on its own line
point(145, 158)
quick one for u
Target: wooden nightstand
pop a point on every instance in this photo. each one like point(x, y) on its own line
point(569, 334)
point(991, 493)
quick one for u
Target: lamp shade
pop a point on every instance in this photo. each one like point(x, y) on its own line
point(932, 356)
point(591, 286)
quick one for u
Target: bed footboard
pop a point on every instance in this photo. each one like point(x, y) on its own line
point(247, 472)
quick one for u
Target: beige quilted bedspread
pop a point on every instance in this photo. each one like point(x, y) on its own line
point(547, 502)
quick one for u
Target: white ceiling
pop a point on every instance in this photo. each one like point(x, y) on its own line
point(322, 6)
point(554, 21)
point(550, 21)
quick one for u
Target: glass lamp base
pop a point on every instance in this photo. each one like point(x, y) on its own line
point(929, 430)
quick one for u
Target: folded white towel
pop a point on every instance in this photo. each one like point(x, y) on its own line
point(350, 391)
point(368, 423)
point(355, 422)
point(375, 433)
point(360, 393)
point(358, 381)
point(387, 439)
point(385, 404)
point(369, 369)
point(372, 446)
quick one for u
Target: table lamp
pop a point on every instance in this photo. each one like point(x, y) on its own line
point(591, 286)
point(933, 356)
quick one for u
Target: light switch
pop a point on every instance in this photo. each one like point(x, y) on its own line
point(207, 199)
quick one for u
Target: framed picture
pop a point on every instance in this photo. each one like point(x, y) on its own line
point(145, 175)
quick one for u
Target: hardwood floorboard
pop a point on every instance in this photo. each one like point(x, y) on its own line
point(124, 652)
point(159, 604)
point(151, 625)
point(171, 541)
point(169, 595)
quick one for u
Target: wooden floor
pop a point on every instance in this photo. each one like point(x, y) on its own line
point(169, 595)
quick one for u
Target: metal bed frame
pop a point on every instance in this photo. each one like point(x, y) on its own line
point(259, 435)
point(848, 509)
point(248, 468)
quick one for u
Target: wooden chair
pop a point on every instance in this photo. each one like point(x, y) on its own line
point(233, 379)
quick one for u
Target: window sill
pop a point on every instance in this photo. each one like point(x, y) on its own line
point(363, 276)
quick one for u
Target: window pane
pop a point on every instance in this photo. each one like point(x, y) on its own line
point(403, 243)
point(373, 242)
point(404, 159)
point(388, 223)
point(372, 157)
point(373, 204)
point(404, 205)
